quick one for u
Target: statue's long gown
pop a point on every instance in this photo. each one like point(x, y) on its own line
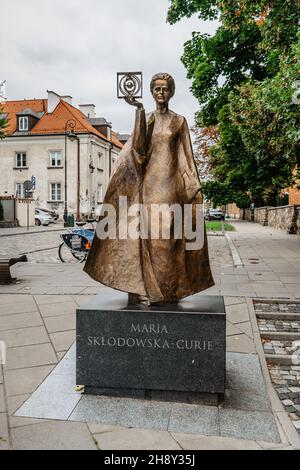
point(156, 166)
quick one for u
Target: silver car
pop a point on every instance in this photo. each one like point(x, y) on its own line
point(42, 218)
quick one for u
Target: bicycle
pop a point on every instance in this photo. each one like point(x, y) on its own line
point(76, 243)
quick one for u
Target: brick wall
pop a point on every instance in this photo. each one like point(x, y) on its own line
point(294, 196)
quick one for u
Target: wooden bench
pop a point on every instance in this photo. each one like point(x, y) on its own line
point(5, 264)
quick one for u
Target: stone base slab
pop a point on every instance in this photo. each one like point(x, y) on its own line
point(178, 347)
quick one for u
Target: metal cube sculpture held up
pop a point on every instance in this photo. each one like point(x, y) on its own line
point(130, 84)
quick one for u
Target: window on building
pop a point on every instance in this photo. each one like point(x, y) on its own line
point(55, 192)
point(23, 123)
point(100, 193)
point(100, 161)
point(21, 160)
point(55, 158)
point(20, 192)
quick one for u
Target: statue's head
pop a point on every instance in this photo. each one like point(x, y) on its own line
point(162, 87)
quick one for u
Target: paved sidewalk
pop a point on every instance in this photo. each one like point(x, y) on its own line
point(37, 322)
point(7, 232)
point(271, 263)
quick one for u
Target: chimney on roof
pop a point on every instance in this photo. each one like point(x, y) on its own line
point(102, 126)
point(89, 110)
point(67, 98)
point(53, 100)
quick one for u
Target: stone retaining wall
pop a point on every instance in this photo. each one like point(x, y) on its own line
point(283, 217)
point(261, 215)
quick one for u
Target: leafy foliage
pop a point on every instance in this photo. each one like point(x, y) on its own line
point(243, 78)
point(3, 118)
point(3, 124)
point(206, 9)
point(205, 138)
point(217, 64)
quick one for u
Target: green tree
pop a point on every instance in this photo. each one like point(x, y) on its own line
point(3, 118)
point(3, 123)
point(268, 121)
point(243, 77)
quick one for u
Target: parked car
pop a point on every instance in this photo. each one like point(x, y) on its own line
point(215, 214)
point(53, 214)
point(42, 218)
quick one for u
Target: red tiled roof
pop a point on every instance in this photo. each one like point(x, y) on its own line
point(53, 123)
point(13, 107)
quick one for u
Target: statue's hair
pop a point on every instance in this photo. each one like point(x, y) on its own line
point(163, 76)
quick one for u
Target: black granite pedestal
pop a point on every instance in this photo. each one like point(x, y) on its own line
point(178, 347)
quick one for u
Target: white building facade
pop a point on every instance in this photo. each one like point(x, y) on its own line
point(49, 156)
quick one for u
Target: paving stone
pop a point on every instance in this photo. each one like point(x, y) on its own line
point(145, 414)
point(10, 298)
point(243, 372)
point(49, 405)
point(136, 439)
point(233, 300)
point(100, 428)
point(62, 340)
point(60, 354)
point(57, 384)
point(67, 365)
point(13, 404)
point(257, 425)
point(2, 400)
point(246, 400)
point(25, 306)
point(30, 356)
point(53, 436)
point(21, 381)
point(53, 299)
point(57, 309)
point(20, 320)
point(4, 441)
point(288, 404)
point(270, 445)
point(194, 419)
point(190, 442)
point(209, 399)
point(81, 299)
point(98, 409)
point(240, 343)
point(246, 328)
point(25, 336)
point(231, 329)
point(297, 425)
point(65, 289)
point(60, 323)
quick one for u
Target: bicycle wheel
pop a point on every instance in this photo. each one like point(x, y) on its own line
point(66, 255)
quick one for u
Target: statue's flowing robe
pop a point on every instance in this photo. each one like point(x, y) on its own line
point(156, 166)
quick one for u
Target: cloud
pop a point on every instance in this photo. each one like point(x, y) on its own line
point(76, 47)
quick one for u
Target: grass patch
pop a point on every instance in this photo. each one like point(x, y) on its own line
point(216, 226)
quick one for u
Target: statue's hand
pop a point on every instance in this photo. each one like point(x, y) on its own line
point(133, 102)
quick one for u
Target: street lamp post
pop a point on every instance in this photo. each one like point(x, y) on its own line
point(69, 125)
point(73, 137)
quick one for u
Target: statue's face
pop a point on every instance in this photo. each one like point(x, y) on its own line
point(161, 92)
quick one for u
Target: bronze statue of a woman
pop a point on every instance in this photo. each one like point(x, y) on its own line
point(155, 167)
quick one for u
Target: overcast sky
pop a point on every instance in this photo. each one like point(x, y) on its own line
point(76, 47)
